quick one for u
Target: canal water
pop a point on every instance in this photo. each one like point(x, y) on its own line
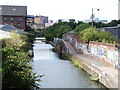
point(59, 73)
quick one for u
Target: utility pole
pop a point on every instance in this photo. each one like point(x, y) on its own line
point(92, 14)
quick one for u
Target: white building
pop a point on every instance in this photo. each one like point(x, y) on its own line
point(66, 20)
point(50, 23)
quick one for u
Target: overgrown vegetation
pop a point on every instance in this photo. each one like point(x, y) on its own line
point(16, 69)
point(81, 27)
point(58, 29)
point(94, 77)
point(109, 24)
point(93, 34)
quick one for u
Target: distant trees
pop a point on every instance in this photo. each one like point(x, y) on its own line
point(81, 27)
point(58, 29)
point(110, 24)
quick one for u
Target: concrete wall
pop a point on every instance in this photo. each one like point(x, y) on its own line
point(104, 52)
point(107, 53)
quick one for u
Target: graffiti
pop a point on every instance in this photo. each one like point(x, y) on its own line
point(104, 52)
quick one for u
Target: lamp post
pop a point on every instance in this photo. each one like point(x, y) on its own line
point(92, 14)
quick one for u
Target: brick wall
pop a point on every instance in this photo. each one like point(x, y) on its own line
point(104, 52)
point(16, 21)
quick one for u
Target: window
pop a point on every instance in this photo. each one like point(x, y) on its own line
point(14, 9)
point(20, 19)
point(11, 19)
point(18, 25)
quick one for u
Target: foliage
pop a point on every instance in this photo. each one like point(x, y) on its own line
point(113, 23)
point(93, 34)
point(82, 27)
point(16, 69)
point(95, 77)
point(110, 24)
point(72, 25)
point(79, 22)
point(57, 30)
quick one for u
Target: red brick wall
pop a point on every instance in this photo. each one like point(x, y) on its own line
point(18, 22)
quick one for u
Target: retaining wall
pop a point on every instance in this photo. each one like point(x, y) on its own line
point(104, 52)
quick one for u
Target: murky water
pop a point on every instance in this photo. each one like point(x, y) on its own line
point(59, 73)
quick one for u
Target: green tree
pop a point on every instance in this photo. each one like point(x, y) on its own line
point(57, 30)
point(93, 34)
point(72, 25)
point(16, 69)
point(79, 22)
point(63, 29)
point(113, 23)
point(81, 27)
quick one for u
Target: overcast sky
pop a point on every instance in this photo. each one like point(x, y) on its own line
point(68, 9)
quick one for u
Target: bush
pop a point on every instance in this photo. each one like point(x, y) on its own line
point(93, 34)
point(57, 30)
point(16, 69)
point(81, 27)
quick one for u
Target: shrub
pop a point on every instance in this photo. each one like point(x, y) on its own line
point(16, 69)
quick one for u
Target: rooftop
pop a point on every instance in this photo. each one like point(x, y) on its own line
point(9, 28)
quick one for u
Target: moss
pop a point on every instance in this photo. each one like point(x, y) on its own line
point(75, 61)
point(94, 77)
point(77, 64)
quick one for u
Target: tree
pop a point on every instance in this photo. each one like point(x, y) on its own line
point(93, 34)
point(16, 69)
point(81, 27)
point(63, 29)
point(113, 23)
point(72, 25)
point(79, 22)
point(57, 30)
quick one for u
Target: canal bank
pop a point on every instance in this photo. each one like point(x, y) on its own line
point(105, 74)
point(59, 73)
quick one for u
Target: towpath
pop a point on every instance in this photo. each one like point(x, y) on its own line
point(109, 71)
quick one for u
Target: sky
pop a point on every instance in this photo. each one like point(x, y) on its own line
point(69, 9)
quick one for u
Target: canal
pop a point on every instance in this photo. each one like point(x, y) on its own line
point(59, 73)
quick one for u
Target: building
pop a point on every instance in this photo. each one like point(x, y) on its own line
point(96, 20)
point(30, 19)
point(50, 23)
point(36, 22)
point(66, 20)
point(115, 31)
point(11, 29)
point(7, 30)
point(40, 21)
point(30, 22)
point(13, 15)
